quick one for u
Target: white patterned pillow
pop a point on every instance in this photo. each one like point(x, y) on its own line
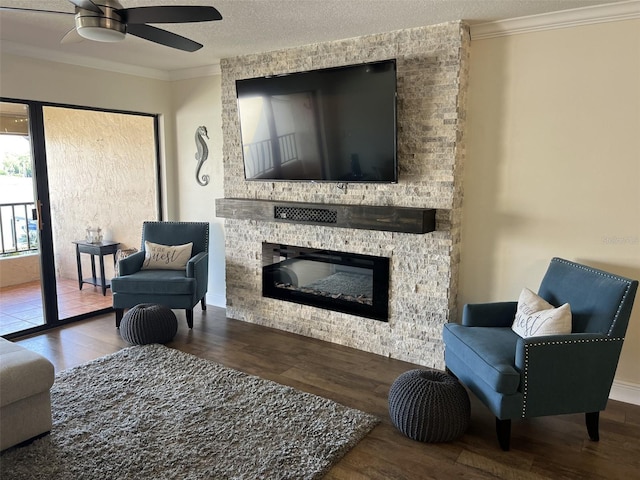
point(535, 317)
point(166, 257)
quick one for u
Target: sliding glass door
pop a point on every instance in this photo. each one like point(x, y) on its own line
point(92, 171)
point(21, 306)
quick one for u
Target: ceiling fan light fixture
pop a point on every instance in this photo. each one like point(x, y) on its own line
point(101, 34)
point(108, 21)
point(105, 27)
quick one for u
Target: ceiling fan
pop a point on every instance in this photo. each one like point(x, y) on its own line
point(108, 21)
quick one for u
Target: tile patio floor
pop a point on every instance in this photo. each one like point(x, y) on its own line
point(21, 305)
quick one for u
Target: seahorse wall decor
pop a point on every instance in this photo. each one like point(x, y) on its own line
point(201, 154)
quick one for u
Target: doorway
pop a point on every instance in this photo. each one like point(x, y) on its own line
point(90, 170)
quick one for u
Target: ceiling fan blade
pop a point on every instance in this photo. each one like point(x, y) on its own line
point(163, 37)
point(16, 9)
point(169, 14)
point(87, 5)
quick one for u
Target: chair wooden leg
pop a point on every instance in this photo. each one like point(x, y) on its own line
point(593, 419)
point(203, 304)
point(119, 315)
point(503, 429)
point(190, 317)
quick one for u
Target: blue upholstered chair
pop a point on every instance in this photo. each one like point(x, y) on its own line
point(519, 377)
point(176, 289)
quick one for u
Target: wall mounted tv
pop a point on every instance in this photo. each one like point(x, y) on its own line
point(329, 125)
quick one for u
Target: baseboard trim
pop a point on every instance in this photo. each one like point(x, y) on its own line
point(610, 12)
point(216, 300)
point(625, 392)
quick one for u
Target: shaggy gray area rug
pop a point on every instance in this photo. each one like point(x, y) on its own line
point(151, 412)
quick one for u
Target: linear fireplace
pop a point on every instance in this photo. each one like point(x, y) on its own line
point(340, 281)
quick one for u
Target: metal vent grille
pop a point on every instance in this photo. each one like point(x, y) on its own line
point(297, 214)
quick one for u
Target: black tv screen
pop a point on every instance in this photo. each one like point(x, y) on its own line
point(331, 125)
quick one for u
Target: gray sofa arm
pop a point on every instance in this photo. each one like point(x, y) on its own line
point(131, 264)
point(497, 314)
point(566, 373)
point(198, 268)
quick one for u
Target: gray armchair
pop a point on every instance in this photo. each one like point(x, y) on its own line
point(179, 289)
point(519, 377)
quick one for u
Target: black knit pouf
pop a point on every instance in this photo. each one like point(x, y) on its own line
point(429, 406)
point(148, 323)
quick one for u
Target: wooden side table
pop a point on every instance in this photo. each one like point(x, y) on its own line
point(99, 250)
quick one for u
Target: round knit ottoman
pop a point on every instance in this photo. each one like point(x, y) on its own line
point(148, 323)
point(429, 406)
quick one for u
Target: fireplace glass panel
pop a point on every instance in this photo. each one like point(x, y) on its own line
point(344, 282)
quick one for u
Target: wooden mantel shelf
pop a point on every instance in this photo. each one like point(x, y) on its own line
point(366, 217)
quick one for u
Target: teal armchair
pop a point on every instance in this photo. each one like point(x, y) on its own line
point(519, 377)
point(175, 288)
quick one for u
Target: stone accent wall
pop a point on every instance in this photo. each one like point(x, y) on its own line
point(432, 69)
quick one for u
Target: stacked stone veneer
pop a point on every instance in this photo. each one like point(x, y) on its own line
point(432, 72)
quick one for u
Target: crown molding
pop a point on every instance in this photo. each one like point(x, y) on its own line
point(196, 72)
point(81, 61)
point(116, 67)
point(611, 12)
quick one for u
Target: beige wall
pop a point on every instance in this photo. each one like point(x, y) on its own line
point(102, 173)
point(32, 79)
point(181, 105)
point(20, 269)
point(197, 102)
point(553, 163)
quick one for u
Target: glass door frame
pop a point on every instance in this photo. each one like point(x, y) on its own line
point(42, 202)
point(47, 262)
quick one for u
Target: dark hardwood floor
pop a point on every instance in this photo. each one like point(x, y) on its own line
point(550, 447)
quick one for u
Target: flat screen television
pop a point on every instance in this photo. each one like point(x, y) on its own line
point(328, 125)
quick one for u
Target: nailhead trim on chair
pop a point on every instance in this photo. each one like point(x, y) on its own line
point(176, 223)
point(528, 346)
point(584, 340)
point(603, 274)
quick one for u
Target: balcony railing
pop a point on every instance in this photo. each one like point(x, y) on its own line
point(18, 230)
point(259, 155)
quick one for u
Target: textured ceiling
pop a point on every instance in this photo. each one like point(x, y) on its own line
point(251, 26)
